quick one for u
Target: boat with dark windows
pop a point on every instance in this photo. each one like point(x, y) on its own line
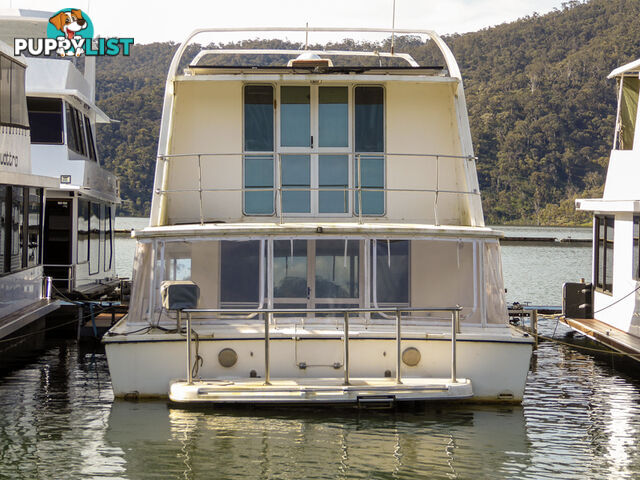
point(24, 294)
point(79, 215)
point(608, 309)
point(316, 237)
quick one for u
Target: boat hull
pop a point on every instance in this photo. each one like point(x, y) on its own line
point(145, 367)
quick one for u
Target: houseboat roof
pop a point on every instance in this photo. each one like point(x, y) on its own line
point(49, 77)
point(628, 69)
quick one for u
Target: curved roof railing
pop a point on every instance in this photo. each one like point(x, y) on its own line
point(450, 60)
point(259, 51)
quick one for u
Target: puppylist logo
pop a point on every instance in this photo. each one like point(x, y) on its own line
point(70, 33)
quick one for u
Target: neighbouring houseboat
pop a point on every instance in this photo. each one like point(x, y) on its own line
point(608, 308)
point(316, 236)
point(24, 297)
point(79, 214)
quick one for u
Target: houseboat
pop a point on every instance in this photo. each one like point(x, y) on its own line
point(316, 237)
point(79, 215)
point(24, 297)
point(608, 308)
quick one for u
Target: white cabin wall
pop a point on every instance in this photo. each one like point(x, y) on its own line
point(421, 119)
point(208, 119)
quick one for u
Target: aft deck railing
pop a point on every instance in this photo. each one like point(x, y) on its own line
point(353, 206)
point(345, 312)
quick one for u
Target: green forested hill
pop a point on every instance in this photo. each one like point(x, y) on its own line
point(541, 110)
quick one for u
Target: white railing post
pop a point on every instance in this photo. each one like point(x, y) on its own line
point(200, 188)
point(398, 347)
point(455, 319)
point(346, 348)
point(189, 373)
point(267, 367)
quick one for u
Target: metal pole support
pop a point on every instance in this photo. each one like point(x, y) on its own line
point(534, 327)
point(398, 347)
point(455, 320)
point(346, 348)
point(189, 376)
point(267, 368)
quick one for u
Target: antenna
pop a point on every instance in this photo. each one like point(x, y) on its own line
point(306, 36)
point(393, 27)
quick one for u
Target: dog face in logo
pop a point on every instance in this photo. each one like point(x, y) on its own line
point(69, 23)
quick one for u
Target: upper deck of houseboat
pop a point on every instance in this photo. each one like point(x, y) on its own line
point(314, 136)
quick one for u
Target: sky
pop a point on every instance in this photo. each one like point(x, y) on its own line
point(161, 20)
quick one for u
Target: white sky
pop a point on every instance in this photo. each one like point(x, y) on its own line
point(161, 20)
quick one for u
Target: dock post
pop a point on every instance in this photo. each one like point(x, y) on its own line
point(189, 376)
point(398, 347)
point(534, 327)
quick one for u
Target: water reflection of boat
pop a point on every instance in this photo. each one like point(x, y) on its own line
point(474, 443)
point(330, 215)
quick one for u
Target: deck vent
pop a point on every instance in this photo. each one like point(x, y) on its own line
point(309, 60)
point(227, 357)
point(411, 356)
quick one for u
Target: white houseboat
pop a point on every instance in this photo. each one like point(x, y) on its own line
point(608, 309)
point(23, 296)
point(80, 211)
point(325, 207)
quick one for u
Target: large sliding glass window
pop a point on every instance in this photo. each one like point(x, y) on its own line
point(108, 244)
point(369, 138)
point(83, 231)
point(94, 239)
point(258, 137)
point(317, 167)
point(604, 231)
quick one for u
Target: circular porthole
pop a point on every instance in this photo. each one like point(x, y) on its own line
point(227, 357)
point(411, 356)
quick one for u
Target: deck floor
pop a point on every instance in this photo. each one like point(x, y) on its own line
point(319, 390)
point(607, 335)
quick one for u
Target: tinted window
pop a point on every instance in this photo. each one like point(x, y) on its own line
point(258, 118)
point(45, 118)
point(392, 269)
point(369, 119)
point(239, 271)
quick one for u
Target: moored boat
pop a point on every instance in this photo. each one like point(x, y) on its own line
point(319, 213)
point(608, 308)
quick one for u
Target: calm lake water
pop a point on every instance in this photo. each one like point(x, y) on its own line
point(580, 418)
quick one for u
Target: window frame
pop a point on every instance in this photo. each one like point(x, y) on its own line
point(246, 153)
point(635, 265)
point(600, 264)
